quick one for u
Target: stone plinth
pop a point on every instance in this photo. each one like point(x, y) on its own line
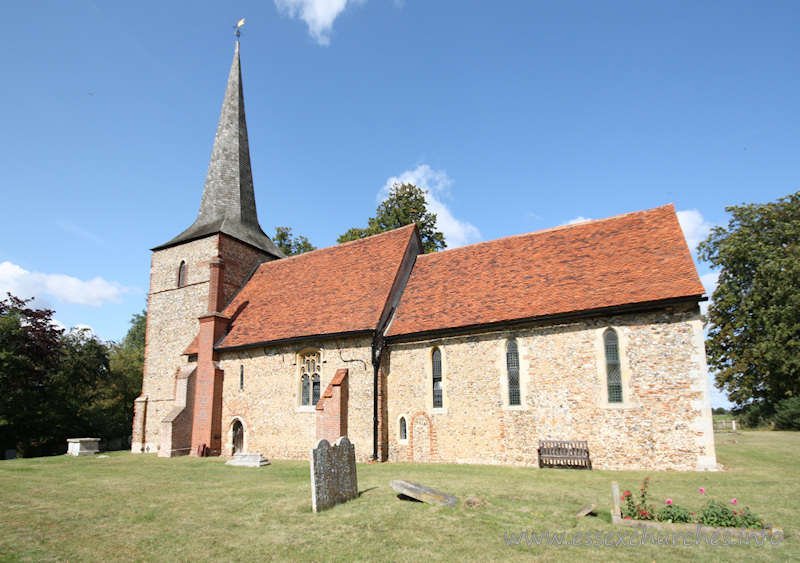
point(247, 460)
point(83, 446)
point(333, 474)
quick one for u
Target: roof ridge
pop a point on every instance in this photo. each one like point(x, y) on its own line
point(548, 229)
point(338, 245)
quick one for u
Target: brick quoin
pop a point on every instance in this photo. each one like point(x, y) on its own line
point(332, 408)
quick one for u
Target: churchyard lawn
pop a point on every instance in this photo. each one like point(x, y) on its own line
point(140, 507)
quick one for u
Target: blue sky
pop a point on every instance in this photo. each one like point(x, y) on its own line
point(516, 115)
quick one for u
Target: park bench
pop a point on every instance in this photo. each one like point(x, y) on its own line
point(564, 454)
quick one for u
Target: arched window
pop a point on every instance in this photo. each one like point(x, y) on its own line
point(436, 358)
point(613, 371)
point(512, 368)
point(241, 378)
point(182, 274)
point(403, 429)
point(309, 379)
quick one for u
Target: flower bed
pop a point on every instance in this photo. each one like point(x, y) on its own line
point(713, 517)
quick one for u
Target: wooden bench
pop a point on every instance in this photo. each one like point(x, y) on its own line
point(564, 454)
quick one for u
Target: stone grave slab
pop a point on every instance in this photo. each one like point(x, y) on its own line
point(247, 460)
point(83, 446)
point(423, 493)
point(586, 510)
point(333, 473)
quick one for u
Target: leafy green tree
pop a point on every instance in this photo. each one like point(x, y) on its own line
point(754, 321)
point(31, 348)
point(405, 205)
point(77, 387)
point(126, 361)
point(289, 244)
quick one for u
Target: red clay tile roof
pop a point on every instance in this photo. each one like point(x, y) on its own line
point(339, 289)
point(635, 258)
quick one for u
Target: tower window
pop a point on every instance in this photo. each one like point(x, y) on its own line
point(241, 378)
point(403, 429)
point(182, 274)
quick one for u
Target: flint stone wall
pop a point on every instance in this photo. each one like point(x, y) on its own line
point(269, 407)
point(664, 423)
point(333, 474)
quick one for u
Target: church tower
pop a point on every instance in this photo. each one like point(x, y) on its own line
point(192, 277)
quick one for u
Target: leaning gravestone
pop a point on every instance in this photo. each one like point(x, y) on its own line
point(423, 493)
point(333, 473)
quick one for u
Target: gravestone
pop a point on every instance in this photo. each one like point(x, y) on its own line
point(247, 460)
point(11, 454)
point(333, 473)
point(423, 493)
point(83, 446)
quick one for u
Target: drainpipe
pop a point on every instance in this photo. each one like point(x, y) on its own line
point(377, 350)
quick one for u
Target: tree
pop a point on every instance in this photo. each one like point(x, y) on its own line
point(77, 387)
point(754, 319)
point(291, 245)
point(31, 348)
point(57, 385)
point(405, 205)
point(126, 361)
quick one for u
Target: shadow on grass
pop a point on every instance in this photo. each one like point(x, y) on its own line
point(366, 491)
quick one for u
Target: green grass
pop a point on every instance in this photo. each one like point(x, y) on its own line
point(140, 507)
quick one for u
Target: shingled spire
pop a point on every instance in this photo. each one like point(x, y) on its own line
point(228, 205)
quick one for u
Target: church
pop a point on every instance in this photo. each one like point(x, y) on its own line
point(473, 355)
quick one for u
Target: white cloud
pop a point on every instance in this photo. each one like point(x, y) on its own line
point(578, 219)
point(22, 283)
point(319, 15)
point(437, 184)
point(695, 228)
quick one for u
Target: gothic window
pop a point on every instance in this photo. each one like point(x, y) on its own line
point(613, 371)
point(436, 358)
point(309, 379)
point(403, 429)
point(241, 378)
point(182, 274)
point(512, 369)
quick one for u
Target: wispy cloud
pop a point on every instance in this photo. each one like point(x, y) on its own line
point(695, 227)
point(23, 283)
point(437, 184)
point(319, 15)
point(73, 229)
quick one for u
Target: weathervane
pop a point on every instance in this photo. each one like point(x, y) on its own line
point(237, 27)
